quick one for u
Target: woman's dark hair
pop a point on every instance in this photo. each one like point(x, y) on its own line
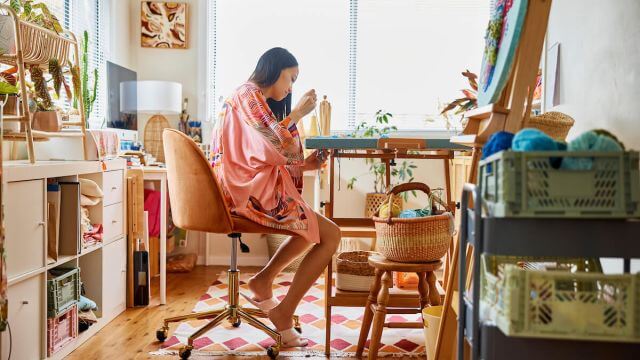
point(267, 72)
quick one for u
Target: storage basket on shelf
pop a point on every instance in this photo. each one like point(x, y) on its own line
point(63, 289)
point(421, 239)
point(534, 184)
point(62, 329)
point(353, 271)
point(560, 304)
point(552, 123)
point(374, 200)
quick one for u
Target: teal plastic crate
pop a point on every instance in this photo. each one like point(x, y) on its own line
point(530, 184)
point(63, 290)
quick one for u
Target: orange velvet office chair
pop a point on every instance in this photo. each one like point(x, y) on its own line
point(197, 203)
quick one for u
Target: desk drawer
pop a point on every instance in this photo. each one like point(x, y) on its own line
point(113, 187)
point(25, 224)
point(113, 222)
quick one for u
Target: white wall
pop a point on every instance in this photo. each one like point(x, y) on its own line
point(599, 69)
point(599, 64)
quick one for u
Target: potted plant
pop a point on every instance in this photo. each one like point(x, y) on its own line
point(46, 117)
point(7, 91)
point(403, 173)
point(468, 102)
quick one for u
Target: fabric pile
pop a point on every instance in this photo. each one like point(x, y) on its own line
point(90, 195)
point(86, 315)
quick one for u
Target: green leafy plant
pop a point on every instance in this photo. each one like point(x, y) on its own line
point(40, 90)
point(88, 94)
point(36, 13)
point(57, 76)
point(381, 127)
point(468, 101)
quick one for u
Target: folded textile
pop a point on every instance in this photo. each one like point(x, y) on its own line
point(89, 187)
point(86, 304)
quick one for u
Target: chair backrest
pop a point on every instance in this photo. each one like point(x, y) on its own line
point(196, 198)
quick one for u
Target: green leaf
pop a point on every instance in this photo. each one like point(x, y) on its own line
point(410, 172)
point(7, 89)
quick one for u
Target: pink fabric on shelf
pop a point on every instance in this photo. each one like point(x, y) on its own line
point(152, 206)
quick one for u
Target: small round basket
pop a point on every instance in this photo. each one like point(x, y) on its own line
point(414, 240)
point(353, 271)
point(552, 123)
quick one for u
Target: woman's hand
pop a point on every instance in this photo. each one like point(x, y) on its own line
point(315, 160)
point(305, 105)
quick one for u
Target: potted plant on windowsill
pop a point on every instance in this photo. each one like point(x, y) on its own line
point(403, 173)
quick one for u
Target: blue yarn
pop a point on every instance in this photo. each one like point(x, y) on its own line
point(86, 304)
point(408, 214)
point(497, 142)
point(588, 141)
point(530, 139)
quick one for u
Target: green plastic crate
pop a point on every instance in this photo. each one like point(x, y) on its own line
point(525, 184)
point(560, 304)
point(63, 290)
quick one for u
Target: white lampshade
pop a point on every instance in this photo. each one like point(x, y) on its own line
point(151, 97)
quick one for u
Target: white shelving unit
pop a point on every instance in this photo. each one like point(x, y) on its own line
point(102, 267)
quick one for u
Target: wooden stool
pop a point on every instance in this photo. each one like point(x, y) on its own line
point(379, 297)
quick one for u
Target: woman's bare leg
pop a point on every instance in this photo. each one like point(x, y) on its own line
point(310, 269)
point(261, 283)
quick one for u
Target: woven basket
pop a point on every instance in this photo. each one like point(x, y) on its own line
point(413, 240)
point(273, 243)
point(353, 271)
point(552, 123)
point(374, 200)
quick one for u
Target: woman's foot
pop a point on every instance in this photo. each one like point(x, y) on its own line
point(283, 322)
point(260, 287)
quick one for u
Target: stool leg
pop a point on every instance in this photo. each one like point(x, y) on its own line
point(379, 317)
point(423, 289)
point(368, 312)
point(434, 296)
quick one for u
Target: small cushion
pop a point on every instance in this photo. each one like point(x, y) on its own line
point(90, 188)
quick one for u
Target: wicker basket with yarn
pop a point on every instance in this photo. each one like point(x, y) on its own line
point(273, 243)
point(552, 123)
point(422, 239)
point(353, 271)
point(374, 200)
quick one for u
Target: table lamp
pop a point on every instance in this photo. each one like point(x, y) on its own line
point(156, 98)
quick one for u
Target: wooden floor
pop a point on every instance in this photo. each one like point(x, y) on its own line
point(132, 334)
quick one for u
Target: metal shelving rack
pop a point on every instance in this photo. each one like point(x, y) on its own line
point(586, 238)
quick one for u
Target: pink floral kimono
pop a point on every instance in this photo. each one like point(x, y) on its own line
point(258, 160)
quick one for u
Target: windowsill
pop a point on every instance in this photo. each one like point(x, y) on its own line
point(420, 134)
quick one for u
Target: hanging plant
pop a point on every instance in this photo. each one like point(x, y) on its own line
point(43, 99)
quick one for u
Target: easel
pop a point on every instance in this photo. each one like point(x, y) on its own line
point(509, 113)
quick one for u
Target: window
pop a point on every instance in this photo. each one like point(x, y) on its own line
point(78, 16)
point(401, 56)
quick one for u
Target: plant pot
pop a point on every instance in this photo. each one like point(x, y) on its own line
point(49, 121)
point(11, 106)
point(7, 35)
point(374, 200)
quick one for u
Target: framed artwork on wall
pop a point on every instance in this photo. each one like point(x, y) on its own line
point(163, 24)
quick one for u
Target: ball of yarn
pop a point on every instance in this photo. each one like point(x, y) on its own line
point(408, 214)
point(383, 210)
point(530, 139)
point(607, 133)
point(497, 142)
point(589, 141)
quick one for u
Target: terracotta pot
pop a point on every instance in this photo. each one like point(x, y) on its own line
point(49, 121)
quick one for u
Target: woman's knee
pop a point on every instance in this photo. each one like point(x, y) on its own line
point(329, 232)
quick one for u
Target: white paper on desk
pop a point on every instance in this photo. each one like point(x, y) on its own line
point(552, 93)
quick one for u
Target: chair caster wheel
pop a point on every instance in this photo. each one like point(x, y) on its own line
point(185, 352)
point(162, 334)
point(273, 352)
point(236, 324)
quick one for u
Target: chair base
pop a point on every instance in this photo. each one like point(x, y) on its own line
point(232, 312)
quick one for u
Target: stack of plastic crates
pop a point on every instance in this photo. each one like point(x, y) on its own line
point(560, 297)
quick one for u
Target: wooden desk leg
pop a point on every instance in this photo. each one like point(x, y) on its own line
point(379, 317)
point(368, 312)
point(328, 294)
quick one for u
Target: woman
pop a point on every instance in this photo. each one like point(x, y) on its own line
point(257, 157)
